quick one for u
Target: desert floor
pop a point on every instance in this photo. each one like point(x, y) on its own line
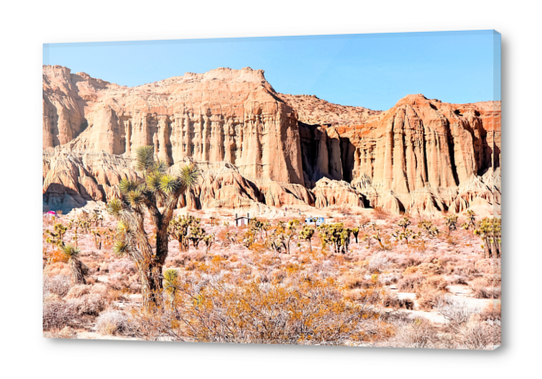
point(436, 291)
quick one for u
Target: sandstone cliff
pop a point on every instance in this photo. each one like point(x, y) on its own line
point(421, 152)
point(222, 115)
point(258, 146)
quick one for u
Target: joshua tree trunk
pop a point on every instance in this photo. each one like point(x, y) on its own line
point(76, 266)
point(151, 283)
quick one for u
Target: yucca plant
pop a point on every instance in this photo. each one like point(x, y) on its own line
point(471, 220)
point(208, 240)
point(56, 237)
point(290, 232)
point(155, 187)
point(179, 228)
point(78, 269)
point(489, 230)
point(355, 233)
point(451, 222)
point(336, 235)
point(405, 235)
point(306, 233)
point(404, 223)
point(97, 239)
point(256, 226)
point(171, 277)
point(430, 229)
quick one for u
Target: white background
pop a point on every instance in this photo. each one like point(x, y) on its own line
point(25, 26)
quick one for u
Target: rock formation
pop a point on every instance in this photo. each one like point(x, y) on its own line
point(419, 152)
point(222, 115)
point(255, 145)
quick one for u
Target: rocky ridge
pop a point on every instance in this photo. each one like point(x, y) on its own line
point(257, 146)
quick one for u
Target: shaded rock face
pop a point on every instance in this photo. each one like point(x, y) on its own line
point(72, 179)
point(421, 150)
point(256, 146)
point(334, 192)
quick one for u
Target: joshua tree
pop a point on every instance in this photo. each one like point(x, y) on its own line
point(97, 239)
point(306, 233)
point(197, 234)
point(231, 238)
point(471, 220)
point(405, 234)
point(249, 238)
point(56, 237)
point(451, 222)
point(266, 227)
point(208, 240)
point(355, 232)
point(77, 267)
point(171, 277)
point(290, 232)
point(257, 227)
point(376, 236)
point(344, 239)
point(404, 223)
point(179, 229)
point(277, 238)
point(336, 235)
point(429, 228)
point(155, 188)
point(489, 229)
point(97, 218)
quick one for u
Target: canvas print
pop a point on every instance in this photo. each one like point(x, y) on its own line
point(310, 190)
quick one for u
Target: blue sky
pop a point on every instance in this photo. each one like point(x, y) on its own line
point(370, 70)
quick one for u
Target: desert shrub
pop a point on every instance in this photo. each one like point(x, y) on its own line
point(409, 283)
point(58, 268)
point(438, 282)
point(58, 314)
point(483, 289)
point(468, 270)
point(409, 260)
point(431, 268)
point(91, 304)
point(410, 270)
point(390, 300)
point(458, 279)
point(100, 289)
point(114, 323)
point(429, 297)
point(122, 266)
point(378, 263)
point(58, 284)
point(308, 311)
point(456, 311)
point(66, 332)
point(419, 334)
point(78, 291)
point(356, 280)
point(55, 256)
point(481, 335)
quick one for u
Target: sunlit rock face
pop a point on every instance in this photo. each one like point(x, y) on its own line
point(421, 155)
point(222, 115)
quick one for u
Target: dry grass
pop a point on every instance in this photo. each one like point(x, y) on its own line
point(239, 294)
